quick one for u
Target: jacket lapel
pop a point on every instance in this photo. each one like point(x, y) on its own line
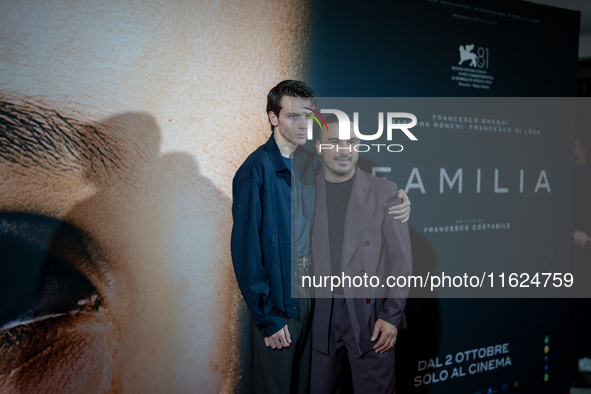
point(362, 204)
point(320, 236)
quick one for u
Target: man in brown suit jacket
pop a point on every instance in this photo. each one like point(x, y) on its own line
point(354, 236)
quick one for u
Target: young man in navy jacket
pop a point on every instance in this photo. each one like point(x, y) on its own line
point(264, 244)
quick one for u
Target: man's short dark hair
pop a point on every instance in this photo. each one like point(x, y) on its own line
point(287, 88)
point(329, 119)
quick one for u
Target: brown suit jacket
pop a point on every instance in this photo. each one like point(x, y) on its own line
point(373, 244)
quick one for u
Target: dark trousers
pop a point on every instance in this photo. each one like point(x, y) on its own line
point(282, 371)
point(371, 372)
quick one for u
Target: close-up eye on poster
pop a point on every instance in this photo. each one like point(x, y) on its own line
point(293, 197)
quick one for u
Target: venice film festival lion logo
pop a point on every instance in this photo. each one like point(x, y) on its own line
point(466, 54)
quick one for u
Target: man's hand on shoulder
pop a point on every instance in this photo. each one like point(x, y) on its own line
point(401, 211)
point(279, 340)
point(581, 238)
point(388, 338)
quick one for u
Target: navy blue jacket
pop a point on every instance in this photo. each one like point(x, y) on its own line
point(262, 233)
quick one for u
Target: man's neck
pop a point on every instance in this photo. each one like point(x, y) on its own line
point(285, 147)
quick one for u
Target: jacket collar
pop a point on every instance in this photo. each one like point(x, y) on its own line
point(275, 155)
point(277, 159)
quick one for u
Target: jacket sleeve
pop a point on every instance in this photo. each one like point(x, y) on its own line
point(247, 255)
point(397, 241)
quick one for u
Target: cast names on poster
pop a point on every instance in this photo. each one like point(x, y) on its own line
point(475, 123)
point(440, 369)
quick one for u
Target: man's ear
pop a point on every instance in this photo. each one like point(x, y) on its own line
point(317, 145)
point(273, 119)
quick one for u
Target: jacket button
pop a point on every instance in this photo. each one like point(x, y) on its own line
point(367, 301)
point(362, 272)
point(366, 243)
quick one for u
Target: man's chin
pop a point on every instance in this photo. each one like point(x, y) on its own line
point(297, 140)
point(342, 170)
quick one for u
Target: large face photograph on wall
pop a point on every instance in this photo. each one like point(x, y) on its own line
point(150, 153)
point(121, 128)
